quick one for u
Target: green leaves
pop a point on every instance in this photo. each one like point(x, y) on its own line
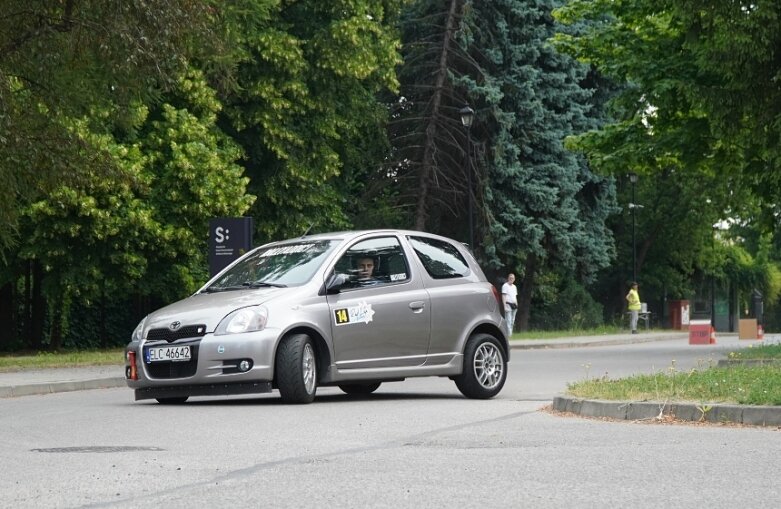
point(144, 229)
point(307, 76)
point(542, 197)
point(61, 60)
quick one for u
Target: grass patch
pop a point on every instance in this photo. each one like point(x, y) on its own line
point(758, 352)
point(42, 360)
point(760, 385)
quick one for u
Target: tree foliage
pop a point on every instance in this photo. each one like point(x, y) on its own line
point(701, 85)
point(427, 168)
point(697, 116)
point(544, 209)
point(307, 75)
point(125, 127)
point(61, 59)
point(143, 232)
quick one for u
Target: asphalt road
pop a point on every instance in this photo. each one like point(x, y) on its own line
point(413, 444)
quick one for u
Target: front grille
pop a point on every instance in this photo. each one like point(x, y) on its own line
point(169, 369)
point(188, 331)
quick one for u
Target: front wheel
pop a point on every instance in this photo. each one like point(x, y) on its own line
point(485, 368)
point(359, 388)
point(296, 369)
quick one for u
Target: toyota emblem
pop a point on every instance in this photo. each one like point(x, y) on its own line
point(175, 325)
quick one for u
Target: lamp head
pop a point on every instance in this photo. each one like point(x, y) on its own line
point(467, 115)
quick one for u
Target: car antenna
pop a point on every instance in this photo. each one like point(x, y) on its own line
point(307, 230)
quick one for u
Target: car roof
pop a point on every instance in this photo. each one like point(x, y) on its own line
point(352, 234)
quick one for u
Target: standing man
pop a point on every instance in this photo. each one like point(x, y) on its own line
point(633, 305)
point(510, 301)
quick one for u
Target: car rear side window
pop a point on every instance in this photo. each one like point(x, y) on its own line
point(441, 259)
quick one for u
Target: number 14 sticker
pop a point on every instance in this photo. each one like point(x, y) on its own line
point(361, 313)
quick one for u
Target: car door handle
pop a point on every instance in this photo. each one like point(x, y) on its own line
point(417, 306)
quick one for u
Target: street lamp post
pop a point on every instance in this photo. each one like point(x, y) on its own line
point(713, 280)
point(632, 207)
point(467, 116)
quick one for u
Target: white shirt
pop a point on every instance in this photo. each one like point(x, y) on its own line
point(510, 294)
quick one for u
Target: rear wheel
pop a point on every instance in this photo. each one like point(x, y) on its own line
point(296, 369)
point(172, 401)
point(360, 388)
point(485, 368)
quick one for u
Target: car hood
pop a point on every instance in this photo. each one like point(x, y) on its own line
point(208, 308)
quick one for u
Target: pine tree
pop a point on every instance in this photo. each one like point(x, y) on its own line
point(542, 209)
point(426, 169)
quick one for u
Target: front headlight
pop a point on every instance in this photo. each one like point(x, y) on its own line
point(247, 319)
point(138, 334)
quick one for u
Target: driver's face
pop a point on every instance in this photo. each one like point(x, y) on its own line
point(365, 268)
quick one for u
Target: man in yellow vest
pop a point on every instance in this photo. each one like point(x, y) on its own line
point(633, 305)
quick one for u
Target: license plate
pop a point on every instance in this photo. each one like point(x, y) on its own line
point(168, 353)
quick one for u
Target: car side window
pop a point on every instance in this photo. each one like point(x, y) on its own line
point(441, 259)
point(372, 262)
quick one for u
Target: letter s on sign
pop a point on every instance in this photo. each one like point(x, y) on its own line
point(218, 234)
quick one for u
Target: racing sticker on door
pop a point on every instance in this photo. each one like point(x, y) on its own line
point(361, 313)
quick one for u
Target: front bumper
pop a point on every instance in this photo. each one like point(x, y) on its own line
point(214, 364)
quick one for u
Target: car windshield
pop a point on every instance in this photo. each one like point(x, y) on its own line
point(277, 266)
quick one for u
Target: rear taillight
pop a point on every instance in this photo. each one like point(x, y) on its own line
point(132, 371)
point(497, 296)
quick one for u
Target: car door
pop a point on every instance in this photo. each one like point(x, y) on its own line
point(383, 322)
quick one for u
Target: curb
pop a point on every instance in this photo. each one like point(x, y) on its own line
point(639, 411)
point(724, 363)
point(53, 387)
point(531, 344)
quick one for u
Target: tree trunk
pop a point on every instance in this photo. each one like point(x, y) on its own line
point(27, 317)
point(38, 312)
point(56, 325)
point(525, 293)
point(102, 313)
point(429, 147)
point(7, 316)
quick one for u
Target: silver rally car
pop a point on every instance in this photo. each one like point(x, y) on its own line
point(351, 309)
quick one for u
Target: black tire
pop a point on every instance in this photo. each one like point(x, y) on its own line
point(485, 368)
point(296, 369)
point(172, 401)
point(360, 388)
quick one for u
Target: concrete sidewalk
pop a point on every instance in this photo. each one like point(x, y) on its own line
point(47, 381)
point(603, 340)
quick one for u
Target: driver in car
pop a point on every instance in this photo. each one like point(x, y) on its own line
point(365, 266)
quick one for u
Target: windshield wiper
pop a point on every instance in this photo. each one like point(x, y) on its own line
point(214, 289)
point(244, 286)
point(259, 284)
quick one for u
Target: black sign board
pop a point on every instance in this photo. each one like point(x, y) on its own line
point(229, 238)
